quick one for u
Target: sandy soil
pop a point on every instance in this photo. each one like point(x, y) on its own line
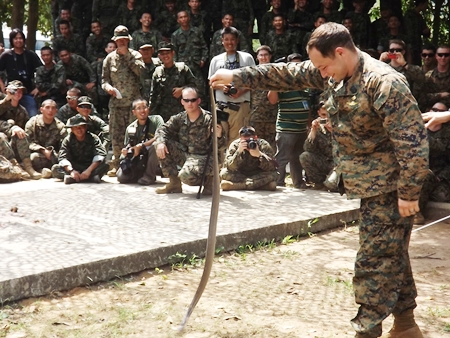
point(301, 289)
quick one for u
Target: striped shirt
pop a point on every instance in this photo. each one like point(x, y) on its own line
point(293, 112)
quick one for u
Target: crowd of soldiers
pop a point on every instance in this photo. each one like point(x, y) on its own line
point(107, 54)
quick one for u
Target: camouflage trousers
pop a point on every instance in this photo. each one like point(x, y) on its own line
point(266, 131)
point(236, 121)
point(119, 119)
point(192, 166)
point(316, 166)
point(252, 181)
point(434, 190)
point(40, 161)
point(92, 93)
point(383, 281)
point(59, 172)
point(136, 172)
point(17, 148)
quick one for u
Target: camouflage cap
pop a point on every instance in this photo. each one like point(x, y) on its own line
point(76, 121)
point(84, 101)
point(147, 45)
point(18, 84)
point(121, 32)
point(163, 45)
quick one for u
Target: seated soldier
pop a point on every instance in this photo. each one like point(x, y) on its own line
point(82, 155)
point(249, 164)
point(13, 118)
point(95, 124)
point(45, 134)
point(185, 141)
point(436, 186)
point(139, 161)
point(317, 158)
point(10, 169)
point(70, 108)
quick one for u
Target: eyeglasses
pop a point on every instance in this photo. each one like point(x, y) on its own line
point(393, 50)
point(190, 100)
point(438, 110)
point(72, 97)
point(443, 55)
point(427, 55)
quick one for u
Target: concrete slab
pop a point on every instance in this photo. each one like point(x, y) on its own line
point(65, 236)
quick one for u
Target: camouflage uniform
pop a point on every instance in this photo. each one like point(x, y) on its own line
point(74, 25)
point(416, 80)
point(66, 112)
point(361, 28)
point(106, 12)
point(98, 127)
point(281, 44)
point(44, 136)
point(202, 22)
point(74, 44)
point(263, 116)
point(122, 72)
point(266, 27)
point(243, 167)
point(9, 117)
point(140, 38)
point(437, 82)
point(166, 23)
point(129, 18)
point(188, 144)
point(146, 78)
point(190, 48)
point(80, 155)
point(317, 158)
point(53, 82)
point(382, 156)
point(243, 15)
point(334, 16)
point(306, 21)
point(95, 48)
point(217, 48)
point(164, 80)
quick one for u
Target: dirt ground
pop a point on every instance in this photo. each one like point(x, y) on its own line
point(299, 289)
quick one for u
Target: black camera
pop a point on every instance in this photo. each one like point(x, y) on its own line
point(223, 116)
point(323, 121)
point(251, 143)
point(231, 90)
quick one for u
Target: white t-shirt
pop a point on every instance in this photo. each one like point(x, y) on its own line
point(238, 60)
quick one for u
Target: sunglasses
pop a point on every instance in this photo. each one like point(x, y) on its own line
point(393, 50)
point(427, 55)
point(72, 97)
point(84, 107)
point(190, 100)
point(438, 110)
point(443, 55)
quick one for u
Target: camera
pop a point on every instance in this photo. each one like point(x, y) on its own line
point(223, 116)
point(251, 143)
point(231, 90)
point(12, 89)
point(322, 121)
point(392, 56)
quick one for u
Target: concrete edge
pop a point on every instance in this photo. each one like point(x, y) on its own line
point(45, 283)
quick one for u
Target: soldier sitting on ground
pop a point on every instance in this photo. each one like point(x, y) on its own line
point(249, 163)
point(139, 162)
point(13, 118)
point(45, 134)
point(185, 141)
point(70, 108)
point(82, 155)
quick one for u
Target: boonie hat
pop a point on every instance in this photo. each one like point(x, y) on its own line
point(76, 121)
point(121, 32)
point(163, 45)
point(18, 84)
point(84, 101)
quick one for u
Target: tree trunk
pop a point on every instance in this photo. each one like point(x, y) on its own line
point(437, 21)
point(17, 15)
point(33, 16)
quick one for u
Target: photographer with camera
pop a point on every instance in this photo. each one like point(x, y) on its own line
point(232, 59)
point(139, 162)
point(249, 164)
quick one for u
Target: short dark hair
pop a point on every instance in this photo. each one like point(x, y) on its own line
point(228, 13)
point(47, 48)
point(279, 15)
point(139, 100)
point(13, 34)
point(266, 48)
point(398, 42)
point(429, 46)
point(327, 37)
point(64, 22)
point(230, 30)
point(96, 21)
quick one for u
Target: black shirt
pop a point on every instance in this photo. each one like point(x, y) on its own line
point(20, 66)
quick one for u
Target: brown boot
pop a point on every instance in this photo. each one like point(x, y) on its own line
point(228, 185)
point(405, 326)
point(207, 189)
point(23, 174)
point(26, 163)
point(174, 186)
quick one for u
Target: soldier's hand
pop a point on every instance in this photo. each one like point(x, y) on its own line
point(124, 151)
point(34, 92)
point(255, 152)
point(435, 118)
point(243, 146)
point(90, 85)
point(408, 208)
point(161, 151)
point(19, 132)
point(47, 153)
point(221, 77)
point(69, 82)
point(176, 92)
point(85, 175)
point(202, 63)
point(112, 92)
point(75, 175)
point(219, 131)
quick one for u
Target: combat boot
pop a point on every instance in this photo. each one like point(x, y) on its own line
point(30, 170)
point(404, 326)
point(46, 173)
point(174, 186)
point(271, 186)
point(228, 185)
point(208, 189)
point(23, 174)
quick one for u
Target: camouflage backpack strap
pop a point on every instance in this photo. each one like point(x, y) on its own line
point(8, 172)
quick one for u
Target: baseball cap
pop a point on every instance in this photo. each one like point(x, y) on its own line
point(76, 121)
point(163, 45)
point(84, 101)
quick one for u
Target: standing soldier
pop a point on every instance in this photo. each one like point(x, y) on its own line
point(146, 34)
point(216, 46)
point(150, 66)
point(95, 44)
point(281, 41)
point(121, 75)
point(166, 21)
point(167, 82)
point(242, 11)
point(68, 40)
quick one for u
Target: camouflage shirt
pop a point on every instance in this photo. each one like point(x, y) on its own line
point(217, 48)
point(321, 144)
point(166, 23)
point(242, 11)
point(95, 47)
point(41, 135)
point(440, 151)
point(261, 109)
point(190, 47)
point(435, 83)
point(74, 44)
point(129, 18)
point(66, 112)
point(140, 38)
point(382, 142)
point(416, 80)
point(11, 116)
point(192, 137)
point(83, 153)
point(154, 122)
point(122, 72)
point(52, 81)
point(282, 44)
point(146, 78)
point(164, 80)
point(247, 164)
point(78, 70)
